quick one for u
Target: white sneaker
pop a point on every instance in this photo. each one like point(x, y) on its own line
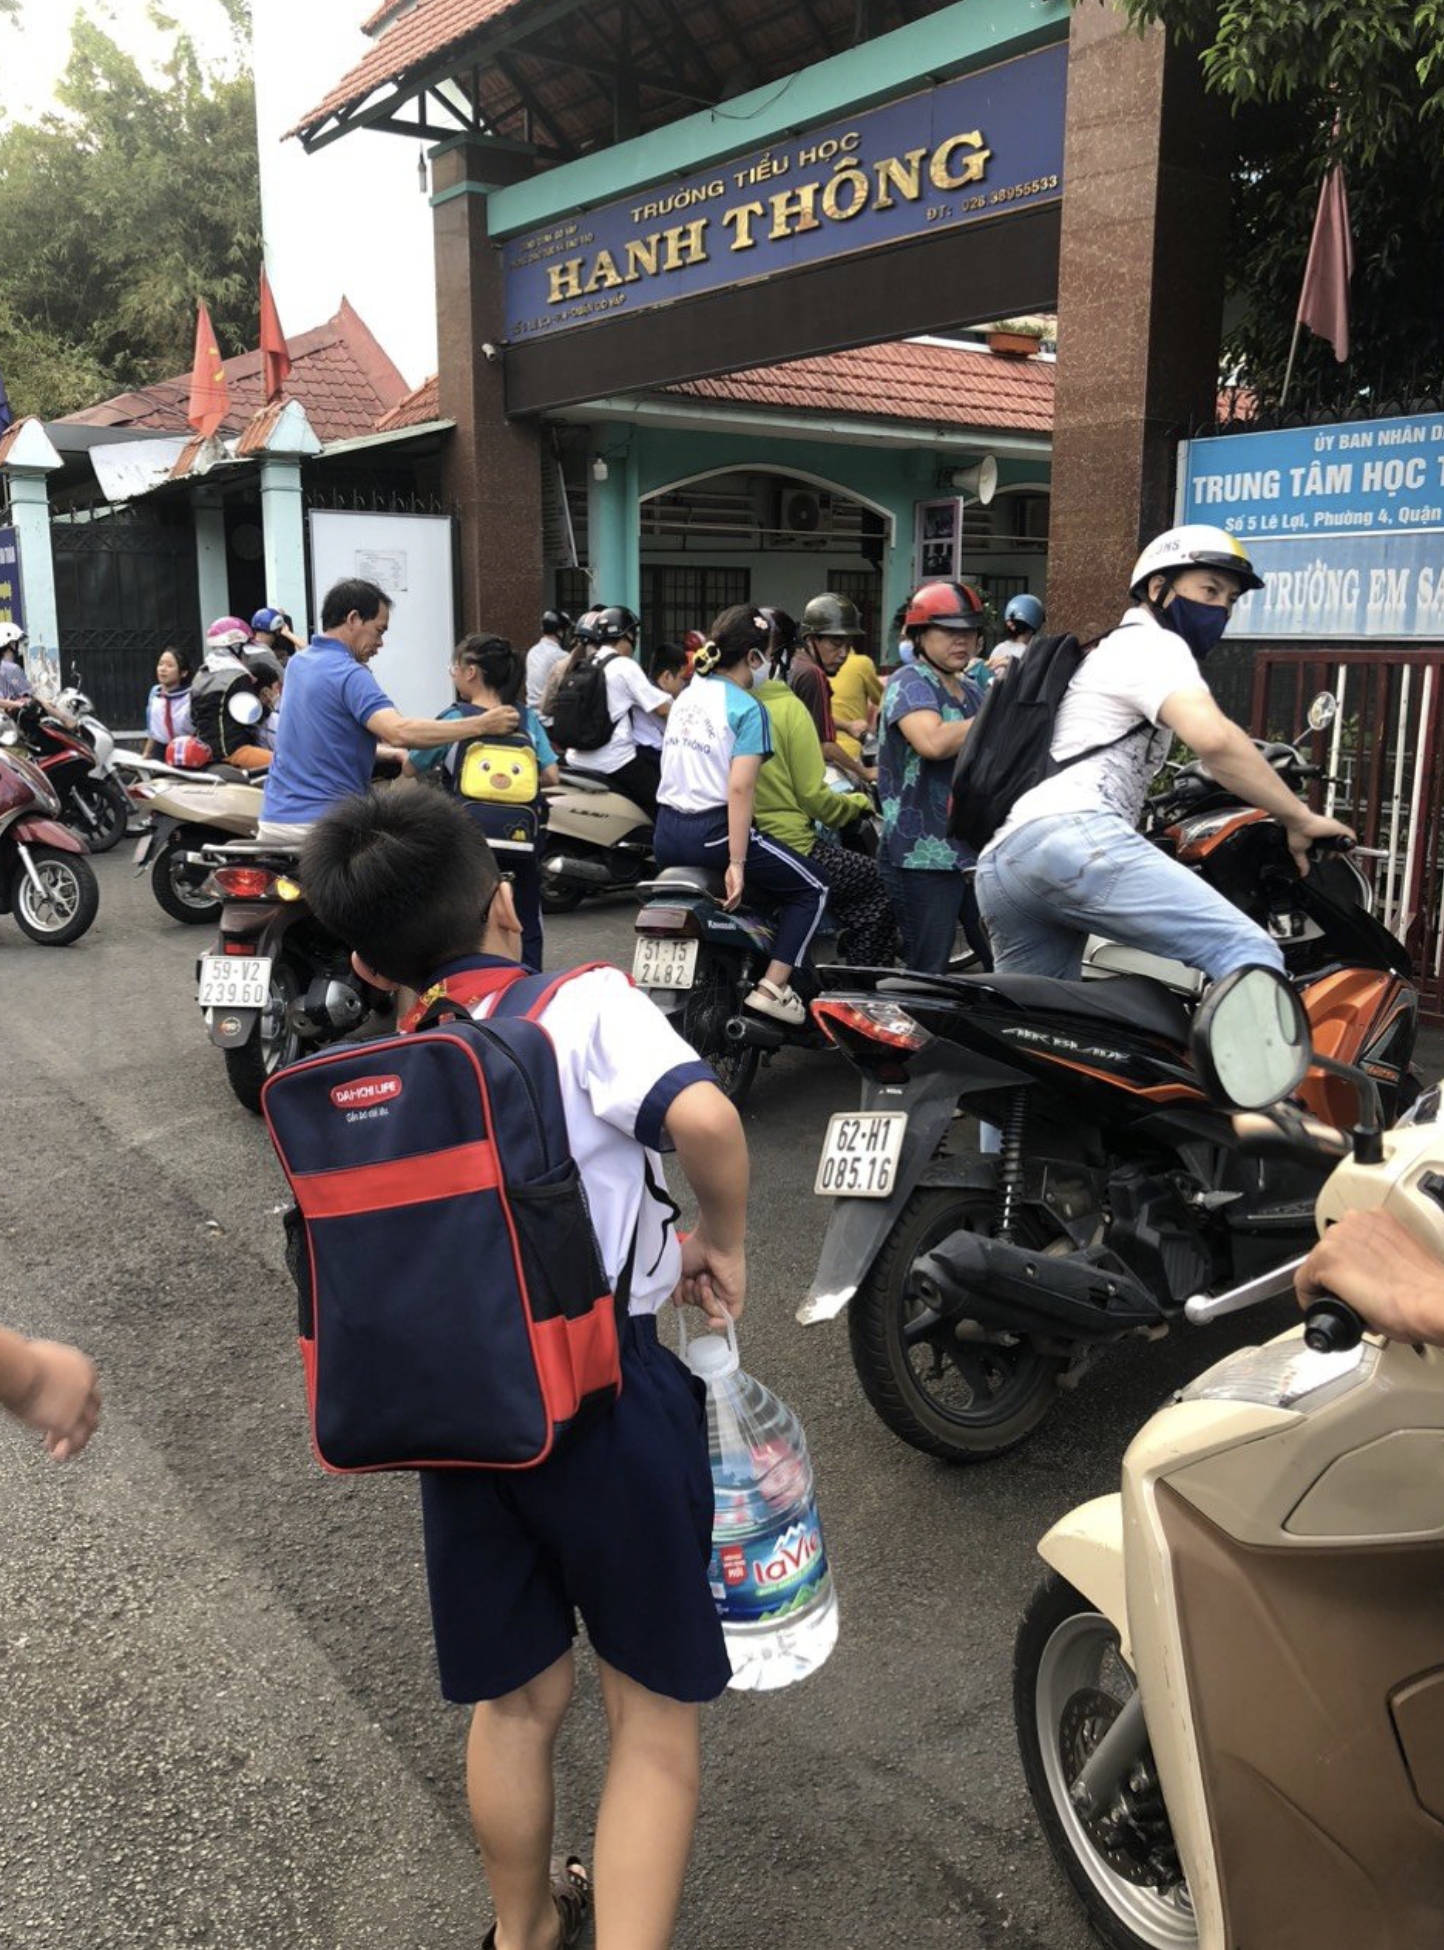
point(783, 1005)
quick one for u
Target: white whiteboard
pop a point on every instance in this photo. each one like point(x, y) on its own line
point(410, 556)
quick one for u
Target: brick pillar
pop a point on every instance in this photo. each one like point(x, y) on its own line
point(492, 466)
point(1140, 301)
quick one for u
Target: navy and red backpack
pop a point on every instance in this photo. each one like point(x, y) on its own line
point(454, 1310)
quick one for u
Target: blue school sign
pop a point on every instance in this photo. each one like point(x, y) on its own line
point(1346, 524)
point(12, 601)
point(983, 146)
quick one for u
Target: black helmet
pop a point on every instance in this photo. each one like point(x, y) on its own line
point(263, 665)
point(830, 615)
point(611, 624)
point(555, 622)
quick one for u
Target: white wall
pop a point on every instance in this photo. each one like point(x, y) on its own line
point(349, 221)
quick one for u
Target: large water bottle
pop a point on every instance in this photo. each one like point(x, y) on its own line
point(769, 1573)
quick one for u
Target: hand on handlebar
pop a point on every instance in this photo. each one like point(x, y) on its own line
point(1369, 1261)
point(1308, 829)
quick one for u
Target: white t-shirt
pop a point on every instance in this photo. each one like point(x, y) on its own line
point(621, 1064)
point(1130, 675)
point(710, 724)
point(629, 692)
point(541, 660)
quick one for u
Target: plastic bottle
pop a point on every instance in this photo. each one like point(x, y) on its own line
point(769, 1573)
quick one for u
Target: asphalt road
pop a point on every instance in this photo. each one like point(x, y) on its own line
point(221, 1723)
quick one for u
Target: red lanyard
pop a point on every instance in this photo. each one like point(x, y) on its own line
point(466, 988)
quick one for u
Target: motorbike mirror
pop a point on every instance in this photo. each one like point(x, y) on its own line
point(246, 708)
point(9, 735)
point(1323, 711)
point(1250, 1039)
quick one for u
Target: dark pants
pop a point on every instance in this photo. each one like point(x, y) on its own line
point(772, 870)
point(859, 905)
point(929, 907)
point(639, 779)
point(526, 892)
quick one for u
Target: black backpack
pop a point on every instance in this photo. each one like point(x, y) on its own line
point(1009, 749)
point(581, 716)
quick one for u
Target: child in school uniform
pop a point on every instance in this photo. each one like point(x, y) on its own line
point(615, 1523)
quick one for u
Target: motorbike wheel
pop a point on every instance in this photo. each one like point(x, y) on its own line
point(271, 1045)
point(70, 902)
point(179, 889)
point(1069, 1685)
point(556, 899)
point(100, 811)
point(959, 1400)
point(710, 1005)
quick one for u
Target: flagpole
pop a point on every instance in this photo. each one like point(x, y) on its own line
point(1289, 369)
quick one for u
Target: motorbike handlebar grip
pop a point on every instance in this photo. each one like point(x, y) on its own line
point(1332, 1327)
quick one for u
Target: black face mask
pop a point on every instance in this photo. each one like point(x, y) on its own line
point(1199, 624)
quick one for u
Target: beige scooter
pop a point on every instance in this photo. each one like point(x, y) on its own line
point(1230, 1692)
point(188, 813)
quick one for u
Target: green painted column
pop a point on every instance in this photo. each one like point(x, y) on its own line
point(212, 578)
point(614, 521)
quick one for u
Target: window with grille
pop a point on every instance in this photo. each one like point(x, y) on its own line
point(863, 587)
point(677, 600)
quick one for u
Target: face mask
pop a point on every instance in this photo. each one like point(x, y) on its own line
point(1199, 624)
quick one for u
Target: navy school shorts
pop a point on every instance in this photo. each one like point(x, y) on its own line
point(615, 1525)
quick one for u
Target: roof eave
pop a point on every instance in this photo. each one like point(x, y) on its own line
point(676, 413)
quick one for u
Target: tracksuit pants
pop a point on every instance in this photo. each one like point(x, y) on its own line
point(784, 877)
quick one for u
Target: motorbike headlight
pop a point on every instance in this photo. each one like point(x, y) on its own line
point(1285, 1374)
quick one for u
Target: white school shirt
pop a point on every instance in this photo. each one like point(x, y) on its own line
point(629, 692)
point(710, 724)
point(1128, 677)
point(541, 660)
point(621, 1064)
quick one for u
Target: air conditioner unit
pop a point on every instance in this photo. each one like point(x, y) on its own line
point(801, 513)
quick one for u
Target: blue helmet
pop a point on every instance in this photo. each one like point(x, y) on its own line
point(270, 619)
point(1024, 609)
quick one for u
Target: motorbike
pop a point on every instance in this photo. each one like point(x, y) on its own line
point(45, 880)
point(188, 810)
point(597, 841)
point(697, 962)
point(1228, 1690)
point(1035, 1171)
point(78, 760)
point(276, 985)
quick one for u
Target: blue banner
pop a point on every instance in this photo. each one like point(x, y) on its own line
point(12, 601)
point(967, 150)
point(1345, 522)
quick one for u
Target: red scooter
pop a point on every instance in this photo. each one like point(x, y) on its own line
point(45, 880)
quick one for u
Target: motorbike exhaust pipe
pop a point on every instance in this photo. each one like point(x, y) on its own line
point(761, 1035)
point(1086, 1295)
point(561, 866)
point(333, 1006)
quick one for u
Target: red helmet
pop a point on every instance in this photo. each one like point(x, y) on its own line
point(692, 642)
point(945, 606)
point(190, 754)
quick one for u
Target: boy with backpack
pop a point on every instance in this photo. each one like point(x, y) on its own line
point(616, 1520)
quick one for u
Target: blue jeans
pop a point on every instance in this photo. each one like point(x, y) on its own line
point(929, 904)
point(1057, 880)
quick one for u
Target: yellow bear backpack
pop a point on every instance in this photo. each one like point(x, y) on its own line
point(499, 779)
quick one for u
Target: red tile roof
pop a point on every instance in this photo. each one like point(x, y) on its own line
point(339, 373)
point(431, 28)
point(415, 410)
point(929, 384)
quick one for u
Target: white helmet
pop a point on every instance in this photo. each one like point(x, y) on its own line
point(1195, 547)
point(11, 636)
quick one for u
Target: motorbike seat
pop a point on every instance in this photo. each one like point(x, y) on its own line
point(1133, 1000)
point(581, 781)
point(699, 880)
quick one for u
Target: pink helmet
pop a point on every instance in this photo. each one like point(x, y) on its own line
point(228, 633)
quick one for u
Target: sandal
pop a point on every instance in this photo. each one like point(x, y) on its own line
point(782, 1004)
point(572, 1894)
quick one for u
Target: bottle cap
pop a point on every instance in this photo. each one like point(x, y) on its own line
point(711, 1357)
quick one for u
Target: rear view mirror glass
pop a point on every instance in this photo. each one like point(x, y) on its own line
point(245, 707)
point(1251, 1041)
point(1323, 711)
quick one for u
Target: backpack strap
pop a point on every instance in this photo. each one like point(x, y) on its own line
point(529, 996)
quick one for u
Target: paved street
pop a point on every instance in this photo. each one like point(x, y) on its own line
point(221, 1722)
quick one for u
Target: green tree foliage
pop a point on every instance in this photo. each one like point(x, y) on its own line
point(118, 212)
point(1308, 82)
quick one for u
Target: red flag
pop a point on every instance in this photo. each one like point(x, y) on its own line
point(1324, 300)
point(274, 352)
point(210, 395)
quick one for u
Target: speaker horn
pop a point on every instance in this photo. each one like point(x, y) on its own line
point(980, 480)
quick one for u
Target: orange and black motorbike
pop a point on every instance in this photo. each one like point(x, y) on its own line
point(1036, 1170)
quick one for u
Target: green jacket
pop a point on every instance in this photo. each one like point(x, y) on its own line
point(792, 789)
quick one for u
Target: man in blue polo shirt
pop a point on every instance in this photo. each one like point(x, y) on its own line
point(336, 714)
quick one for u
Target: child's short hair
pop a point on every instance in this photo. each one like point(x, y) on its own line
point(667, 660)
point(404, 876)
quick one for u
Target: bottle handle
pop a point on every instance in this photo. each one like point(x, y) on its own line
point(684, 1337)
